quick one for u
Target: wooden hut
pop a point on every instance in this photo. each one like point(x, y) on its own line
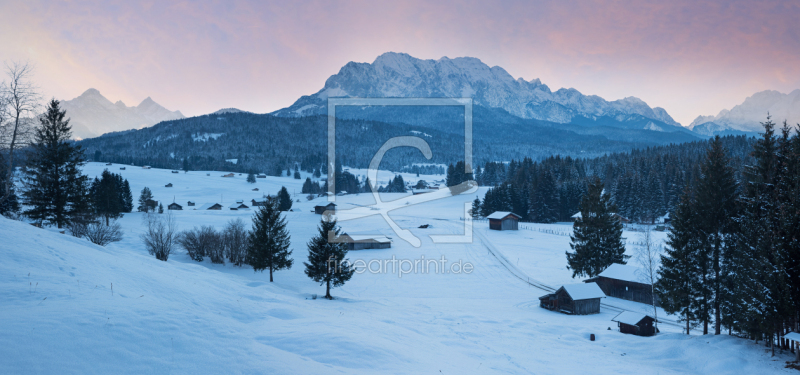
point(574, 299)
point(795, 345)
point(501, 220)
point(626, 282)
point(168, 185)
point(190, 203)
point(364, 242)
point(239, 205)
point(330, 208)
point(211, 206)
point(174, 206)
point(635, 323)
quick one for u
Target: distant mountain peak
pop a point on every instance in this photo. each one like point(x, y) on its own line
point(396, 74)
point(748, 116)
point(92, 114)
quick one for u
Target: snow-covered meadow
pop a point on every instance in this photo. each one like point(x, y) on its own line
point(68, 306)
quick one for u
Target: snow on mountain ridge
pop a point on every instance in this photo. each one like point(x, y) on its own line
point(749, 115)
point(401, 75)
point(91, 114)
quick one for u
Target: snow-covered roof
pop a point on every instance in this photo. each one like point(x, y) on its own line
point(381, 239)
point(501, 214)
point(630, 317)
point(206, 206)
point(577, 216)
point(584, 291)
point(623, 272)
point(794, 336)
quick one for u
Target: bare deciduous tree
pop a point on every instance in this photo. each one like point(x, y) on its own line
point(103, 235)
point(19, 102)
point(648, 256)
point(160, 234)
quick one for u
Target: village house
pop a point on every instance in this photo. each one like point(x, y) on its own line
point(330, 208)
point(501, 220)
point(626, 282)
point(211, 206)
point(364, 242)
point(574, 299)
point(174, 206)
point(635, 323)
point(239, 205)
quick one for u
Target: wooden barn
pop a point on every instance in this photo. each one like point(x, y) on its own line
point(501, 220)
point(626, 282)
point(635, 323)
point(190, 204)
point(330, 207)
point(239, 205)
point(168, 185)
point(174, 206)
point(574, 299)
point(211, 206)
point(364, 242)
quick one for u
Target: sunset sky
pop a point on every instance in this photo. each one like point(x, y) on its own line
point(691, 58)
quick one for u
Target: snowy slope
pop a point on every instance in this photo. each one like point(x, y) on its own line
point(401, 75)
point(58, 313)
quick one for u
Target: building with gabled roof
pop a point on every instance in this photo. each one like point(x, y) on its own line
point(635, 323)
point(174, 206)
point(626, 282)
point(211, 206)
point(574, 299)
point(502, 220)
point(364, 242)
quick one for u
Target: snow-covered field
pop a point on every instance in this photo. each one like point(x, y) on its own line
point(59, 312)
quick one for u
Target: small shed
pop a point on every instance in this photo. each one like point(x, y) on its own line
point(168, 185)
point(502, 220)
point(211, 206)
point(122, 168)
point(626, 282)
point(635, 323)
point(261, 176)
point(364, 242)
point(239, 205)
point(330, 208)
point(574, 299)
point(258, 202)
point(795, 338)
point(174, 206)
point(175, 172)
point(190, 204)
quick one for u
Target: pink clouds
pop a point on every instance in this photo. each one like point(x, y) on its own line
point(688, 57)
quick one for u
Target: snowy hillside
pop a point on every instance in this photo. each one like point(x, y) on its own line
point(401, 75)
point(91, 114)
point(68, 306)
point(748, 116)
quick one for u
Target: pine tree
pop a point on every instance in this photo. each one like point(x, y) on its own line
point(107, 198)
point(597, 238)
point(284, 200)
point(476, 207)
point(679, 272)
point(268, 246)
point(54, 182)
point(296, 175)
point(10, 204)
point(145, 200)
point(326, 259)
point(251, 178)
point(160, 208)
point(185, 165)
point(716, 208)
point(127, 197)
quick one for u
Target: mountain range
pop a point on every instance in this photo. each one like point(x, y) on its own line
point(403, 76)
point(92, 115)
point(746, 118)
